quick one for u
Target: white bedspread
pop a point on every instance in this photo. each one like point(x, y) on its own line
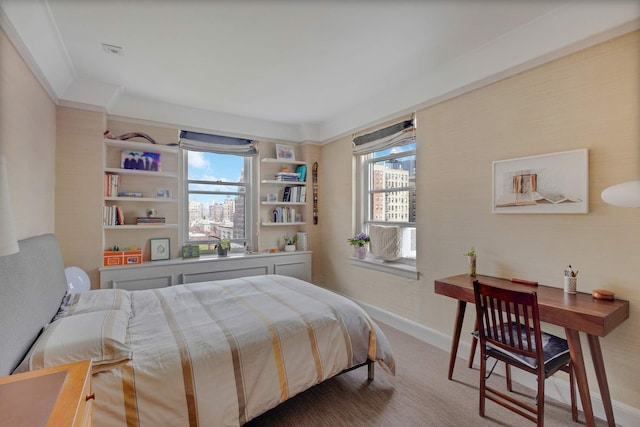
point(221, 353)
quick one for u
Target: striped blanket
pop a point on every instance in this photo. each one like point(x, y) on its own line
point(221, 353)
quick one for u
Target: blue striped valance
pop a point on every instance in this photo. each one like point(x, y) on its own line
point(196, 141)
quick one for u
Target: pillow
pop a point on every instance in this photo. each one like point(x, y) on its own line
point(64, 306)
point(384, 242)
point(100, 300)
point(99, 336)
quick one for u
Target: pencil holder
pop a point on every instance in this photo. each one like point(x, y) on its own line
point(570, 284)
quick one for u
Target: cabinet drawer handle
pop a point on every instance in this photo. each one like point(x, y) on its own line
point(91, 396)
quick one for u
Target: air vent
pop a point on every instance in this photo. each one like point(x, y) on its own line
point(112, 50)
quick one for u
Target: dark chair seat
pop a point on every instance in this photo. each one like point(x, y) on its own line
point(555, 351)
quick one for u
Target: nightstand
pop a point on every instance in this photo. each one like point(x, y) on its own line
point(59, 396)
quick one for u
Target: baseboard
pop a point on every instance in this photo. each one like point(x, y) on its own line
point(556, 387)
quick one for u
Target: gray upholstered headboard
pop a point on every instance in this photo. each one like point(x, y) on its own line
point(32, 284)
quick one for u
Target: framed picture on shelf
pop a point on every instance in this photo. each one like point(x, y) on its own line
point(140, 160)
point(190, 251)
point(163, 193)
point(272, 197)
point(160, 249)
point(285, 152)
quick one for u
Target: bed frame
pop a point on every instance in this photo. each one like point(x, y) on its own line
point(32, 284)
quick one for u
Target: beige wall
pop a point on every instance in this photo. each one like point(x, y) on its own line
point(79, 188)
point(28, 142)
point(586, 100)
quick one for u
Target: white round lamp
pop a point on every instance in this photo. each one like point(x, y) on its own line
point(625, 195)
point(77, 280)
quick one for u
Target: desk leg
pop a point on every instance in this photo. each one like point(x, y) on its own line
point(474, 343)
point(601, 375)
point(575, 348)
point(462, 305)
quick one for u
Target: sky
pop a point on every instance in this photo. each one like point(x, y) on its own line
point(214, 167)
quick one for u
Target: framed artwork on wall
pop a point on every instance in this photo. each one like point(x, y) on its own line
point(546, 183)
point(160, 249)
point(285, 152)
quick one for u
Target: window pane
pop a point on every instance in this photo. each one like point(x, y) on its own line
point(215, 211)
point(391, 192)
point(395, 150)
point(215, 167)
point(393, 206)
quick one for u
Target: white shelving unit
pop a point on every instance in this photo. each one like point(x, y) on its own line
point(273, 185)
point(146, 182)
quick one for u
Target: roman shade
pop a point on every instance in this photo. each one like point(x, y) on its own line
point(196, 141)
point(397, 134)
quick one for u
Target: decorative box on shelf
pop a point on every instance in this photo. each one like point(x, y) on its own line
point(122, 257)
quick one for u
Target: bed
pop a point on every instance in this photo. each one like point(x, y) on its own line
point(210, 353)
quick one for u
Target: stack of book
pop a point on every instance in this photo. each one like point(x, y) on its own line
point(288, 176)
point(294, 194)
point(111, 184)
point(154, 220)
point(112, 215)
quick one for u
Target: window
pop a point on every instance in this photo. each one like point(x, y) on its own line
point(387, 186)
point(218, 197)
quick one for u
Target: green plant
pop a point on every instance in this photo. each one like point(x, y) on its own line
point(225, 243)
point(471, 252)
point(359, 240)
point(290, 240)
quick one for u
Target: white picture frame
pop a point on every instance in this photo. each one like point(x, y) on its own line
point(160, 249)
point(285, 152)
point(163, 193)
point(555, 183)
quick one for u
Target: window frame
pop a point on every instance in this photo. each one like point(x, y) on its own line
point(250, 204)
point(363, 193)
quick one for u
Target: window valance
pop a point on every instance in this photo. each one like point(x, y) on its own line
point(391, 136)
point(196, 141)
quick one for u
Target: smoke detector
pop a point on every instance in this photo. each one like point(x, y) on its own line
point(112, 50)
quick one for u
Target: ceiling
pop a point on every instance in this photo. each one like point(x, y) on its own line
point(292, 70)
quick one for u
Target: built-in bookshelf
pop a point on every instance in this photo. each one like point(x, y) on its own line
point(141, 180)
point(283, 195)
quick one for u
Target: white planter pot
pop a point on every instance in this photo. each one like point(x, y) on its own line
point(290, 248)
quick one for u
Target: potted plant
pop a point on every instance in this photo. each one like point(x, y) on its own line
point(290, 243)
point(223, 247)
point(471, 256)
point(359, 243)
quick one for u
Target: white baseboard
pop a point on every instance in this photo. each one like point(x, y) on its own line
point(556, 387)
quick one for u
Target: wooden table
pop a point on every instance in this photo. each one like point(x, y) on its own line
point(576, 313)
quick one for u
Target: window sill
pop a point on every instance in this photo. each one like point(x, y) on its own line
point(399, 269)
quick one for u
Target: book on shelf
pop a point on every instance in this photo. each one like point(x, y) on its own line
point(287, 176)
point(111, 184)
point(112, 215)
point(286, 194)
point(129, 194)
point(144, 220)
point(283, 214)
point(301, 170)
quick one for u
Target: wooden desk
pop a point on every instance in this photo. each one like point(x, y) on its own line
point(576, 313)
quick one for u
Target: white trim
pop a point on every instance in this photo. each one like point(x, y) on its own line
point(556, 388)
point(399, 269)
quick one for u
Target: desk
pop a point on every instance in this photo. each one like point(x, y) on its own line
point(576, 313)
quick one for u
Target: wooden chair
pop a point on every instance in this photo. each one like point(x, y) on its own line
point(509, 330)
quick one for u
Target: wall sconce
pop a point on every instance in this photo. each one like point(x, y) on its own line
point(8, 240)
point(625, 195)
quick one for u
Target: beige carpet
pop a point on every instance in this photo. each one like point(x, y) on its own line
point(418, 395)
